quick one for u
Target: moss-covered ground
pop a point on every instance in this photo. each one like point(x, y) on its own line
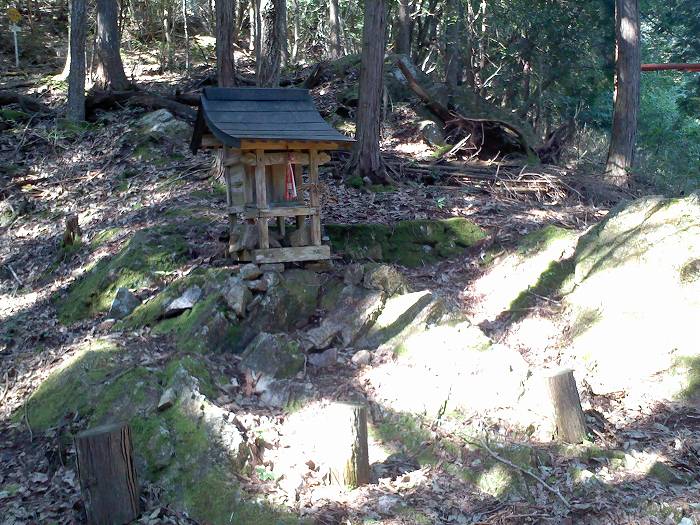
point(409, 243)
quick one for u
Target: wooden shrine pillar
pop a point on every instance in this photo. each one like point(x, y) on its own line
point(314, 198)
point(261, 198)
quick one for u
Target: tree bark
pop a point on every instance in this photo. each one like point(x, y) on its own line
point(571, 423)
point(350, 457)
point(336, 49)
point(110, 70)
point(76, 75)
point(107, 475)
point(627, 76)
point(272, 38)
point(366, 160)
point(224, 43)
point(453, 56)
point(403, 35)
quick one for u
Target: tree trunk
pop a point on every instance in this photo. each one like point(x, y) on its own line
point(334, 23)
point(349, 461)
point(107, 475)
point(272, 26)
point(403, 35)
point(110, 70)
point(224, 43)
point(76, 76)
point(187, 35)
point(252, 22)
point(571, 423)
point(453, 57)
point(366, 159)
point(627, 74)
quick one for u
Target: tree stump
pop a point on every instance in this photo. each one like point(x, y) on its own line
point(571, 423)
point(107, 475)
point(349, 464)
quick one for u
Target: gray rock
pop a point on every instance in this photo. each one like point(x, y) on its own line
point(362, 358)
point(248, 272)
point(164, 123)
point(279, 393)
point(355, 311)
point(258, 285)
point(244, 237)
point(354, 274)
point(272, 267)
point(186, 301)
point(272, 355)
point(326, 359)
point(167, 399)
point(161, 448)
point(123, 304)
point(300, 237)
point(271, 279)
point(432, 132)
point(383, 277)
point(237, 295)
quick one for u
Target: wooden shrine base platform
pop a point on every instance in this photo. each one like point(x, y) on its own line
point(302, 253)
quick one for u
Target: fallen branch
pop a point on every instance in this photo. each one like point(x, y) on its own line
point(107, 100)
point(28, 104)
point(534, 476)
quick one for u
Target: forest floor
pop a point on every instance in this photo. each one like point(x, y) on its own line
point(52, 169)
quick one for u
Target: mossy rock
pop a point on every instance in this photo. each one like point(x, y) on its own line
point(142, 262)
point(409, 243)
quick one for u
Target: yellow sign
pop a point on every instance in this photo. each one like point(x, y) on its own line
point(14, 15)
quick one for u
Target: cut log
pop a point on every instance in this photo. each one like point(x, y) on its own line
point(72, 232)
point(28, 104)
point(107, 475)
point(350, 458)
point(570, 421)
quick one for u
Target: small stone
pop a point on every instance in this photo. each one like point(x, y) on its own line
point(362, 358)
point(237, 295)
point(255, 302)
point(248, 272)
point(271, 279)
point(167, 399)
point(300, 237)
point(105, 325)
point(324, 359)
point(383, 277)
point(186, 301)
point(353, 274)
point(123, 304)
point(258, 285)
point(272, 267)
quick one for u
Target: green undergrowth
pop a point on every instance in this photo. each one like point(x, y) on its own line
point(146, 258)
point(409, 243)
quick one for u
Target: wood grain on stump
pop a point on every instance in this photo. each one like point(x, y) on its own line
point(571, 423)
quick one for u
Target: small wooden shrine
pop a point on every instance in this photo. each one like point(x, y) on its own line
point(272, 142)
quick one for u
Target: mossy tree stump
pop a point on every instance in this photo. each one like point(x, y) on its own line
point(570, 421)
point(107, 475)
point(349, 461)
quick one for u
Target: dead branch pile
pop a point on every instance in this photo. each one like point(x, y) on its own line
point(541, 183)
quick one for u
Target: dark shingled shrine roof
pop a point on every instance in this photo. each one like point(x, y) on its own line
point(235, 114)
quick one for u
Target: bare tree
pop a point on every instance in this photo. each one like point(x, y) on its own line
point(76, 75)
point(366, 160)
point(336, 49)
point(453, 54)
point(110, 70)
point(224, 42)
point(403, 35)
point(627, 76)
point(271, 38)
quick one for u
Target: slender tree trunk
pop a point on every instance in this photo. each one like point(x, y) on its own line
point(224, 43)
point(253, 23)
point(627, 76)
point(273, 38)
point(453, 56)
point(187, 36)
point(110, 70)
point(76, 76)
point(295, 44)
point(334, 24)
point(366, 159)
point(403, 35)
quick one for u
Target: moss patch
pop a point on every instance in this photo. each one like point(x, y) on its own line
point(409, 243)
point(146, 257)
point(104, 236)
